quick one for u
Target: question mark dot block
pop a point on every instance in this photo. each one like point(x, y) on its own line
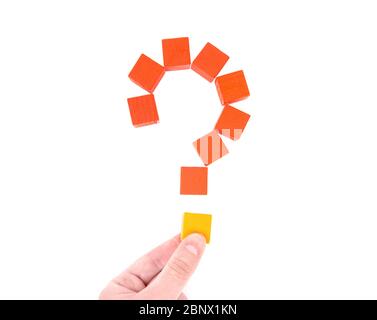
point(143, 110)
point(176, 53)
point(210, 147)
point(209, 62)
point(232, 122)
point(196, 223)
point(232, 87)
point(194, 180)
point(147, 73)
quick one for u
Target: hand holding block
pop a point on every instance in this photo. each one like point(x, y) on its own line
point(210, 147)
point(147, 73)
point(232, 122)
point(232, 87)
point(176, 54)
point(194, 180)
point(143, 110)
point(196, 223)
point(209, 62)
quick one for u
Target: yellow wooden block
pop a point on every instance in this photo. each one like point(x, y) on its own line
point(196, 223)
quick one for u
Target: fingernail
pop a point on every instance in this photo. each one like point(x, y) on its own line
point(195, 243)
point(192, 249)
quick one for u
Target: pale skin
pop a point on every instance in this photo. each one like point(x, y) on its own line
point(161, 274)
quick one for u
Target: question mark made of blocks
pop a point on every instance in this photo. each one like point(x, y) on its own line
point(231, 87)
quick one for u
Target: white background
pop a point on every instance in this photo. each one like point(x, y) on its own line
point(83, 193)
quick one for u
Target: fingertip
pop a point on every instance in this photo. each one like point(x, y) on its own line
point(177, 238)
point(195, 243)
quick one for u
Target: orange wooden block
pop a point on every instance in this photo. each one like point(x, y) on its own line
point(209, 62)
point(232, 87)
point(210, 148)
point(143, 110)
point(176, 54)
point(194, 180)
point(147, 73)
point(232, 122)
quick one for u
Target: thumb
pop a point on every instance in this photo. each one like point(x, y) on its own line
point(178, 270)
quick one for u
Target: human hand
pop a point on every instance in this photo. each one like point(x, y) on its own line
point(159, 275)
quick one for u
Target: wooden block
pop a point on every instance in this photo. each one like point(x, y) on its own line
point(194, 180)
point(143, 110)
point(210, 147)
point(147, 73)
point(209, 62)
point(232, 122)
point(232, 87)
point(197, 223)
point(176, 54)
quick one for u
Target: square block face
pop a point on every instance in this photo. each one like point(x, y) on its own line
point(232, 87)
point(209, 62)
point(232, 122)
point(196, 223)
point(194, 180)
point(147, 73)
point(176, 54)
point(143, 110)
point(210, 147)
